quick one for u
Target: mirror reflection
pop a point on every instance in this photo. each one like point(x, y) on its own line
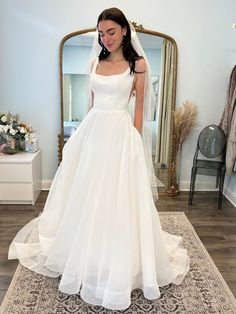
point(75, 61)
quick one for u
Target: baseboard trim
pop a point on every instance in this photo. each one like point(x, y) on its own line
point(199, 186)
point(208, 186)
point(46, 184)
point(184, 186)
point(231, 197)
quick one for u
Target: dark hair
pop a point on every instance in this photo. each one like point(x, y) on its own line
point(117, 16)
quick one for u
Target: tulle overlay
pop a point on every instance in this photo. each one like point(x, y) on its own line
point(100, 229)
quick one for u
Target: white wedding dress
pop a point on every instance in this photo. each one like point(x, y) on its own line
point(100, 229)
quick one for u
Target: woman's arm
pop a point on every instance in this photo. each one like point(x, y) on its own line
point(141, 68)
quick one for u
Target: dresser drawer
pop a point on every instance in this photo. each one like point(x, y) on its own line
point(15, 172)
point(15, 192)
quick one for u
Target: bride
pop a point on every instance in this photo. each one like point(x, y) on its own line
point(99, 229)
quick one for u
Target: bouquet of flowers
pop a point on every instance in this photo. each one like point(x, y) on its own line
point(13, 133)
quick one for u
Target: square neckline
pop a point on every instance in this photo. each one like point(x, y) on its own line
point(95, 68)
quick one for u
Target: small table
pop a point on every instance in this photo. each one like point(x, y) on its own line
point(20, 178)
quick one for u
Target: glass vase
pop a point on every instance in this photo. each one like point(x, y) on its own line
point(9, 147)
point(20, 144)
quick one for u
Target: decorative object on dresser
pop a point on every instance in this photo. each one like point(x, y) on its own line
point(31, 143)
point(14, 135)
point(20, 178)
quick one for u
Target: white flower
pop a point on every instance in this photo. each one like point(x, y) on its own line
point(22, 129)
point(4, 119)
point(6, 128)
point(13, 131)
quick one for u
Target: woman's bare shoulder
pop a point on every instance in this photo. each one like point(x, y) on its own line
point(140, 65)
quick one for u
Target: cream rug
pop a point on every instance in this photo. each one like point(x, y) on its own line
point(203, 290)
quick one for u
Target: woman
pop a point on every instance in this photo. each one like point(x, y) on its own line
point(100, 229)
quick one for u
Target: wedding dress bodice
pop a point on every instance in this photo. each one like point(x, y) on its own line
point(111, 92)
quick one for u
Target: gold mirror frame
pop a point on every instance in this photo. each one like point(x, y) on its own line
point(172, 187)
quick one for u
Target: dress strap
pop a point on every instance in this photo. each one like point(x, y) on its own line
point(94, 66)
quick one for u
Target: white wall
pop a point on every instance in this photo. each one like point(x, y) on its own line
point(30, 34)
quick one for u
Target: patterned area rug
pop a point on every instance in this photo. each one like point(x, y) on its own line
point(203, 290)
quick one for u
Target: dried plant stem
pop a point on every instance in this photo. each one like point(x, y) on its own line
point(184, 122)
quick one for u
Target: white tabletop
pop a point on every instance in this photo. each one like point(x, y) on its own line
point(20, 157)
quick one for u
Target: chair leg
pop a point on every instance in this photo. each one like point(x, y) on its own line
point(192, 185)
point(217, 178)
point(221, 186)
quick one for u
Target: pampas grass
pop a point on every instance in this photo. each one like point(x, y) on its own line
point(184, 121)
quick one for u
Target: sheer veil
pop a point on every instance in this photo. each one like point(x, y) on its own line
point(148, 106)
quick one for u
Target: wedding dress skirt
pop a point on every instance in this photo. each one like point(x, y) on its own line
point(100, 229)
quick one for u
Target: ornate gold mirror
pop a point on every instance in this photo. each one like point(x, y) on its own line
point(161, 51)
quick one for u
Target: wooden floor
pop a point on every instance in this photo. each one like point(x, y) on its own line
point(216, 229)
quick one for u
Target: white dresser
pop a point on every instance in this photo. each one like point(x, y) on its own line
point(20, 178)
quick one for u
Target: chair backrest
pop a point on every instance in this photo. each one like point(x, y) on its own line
point(212, 141)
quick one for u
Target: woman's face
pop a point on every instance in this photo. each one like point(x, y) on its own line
point(111, 34)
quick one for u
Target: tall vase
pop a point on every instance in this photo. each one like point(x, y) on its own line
point(173, 188)
point(21, 144)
